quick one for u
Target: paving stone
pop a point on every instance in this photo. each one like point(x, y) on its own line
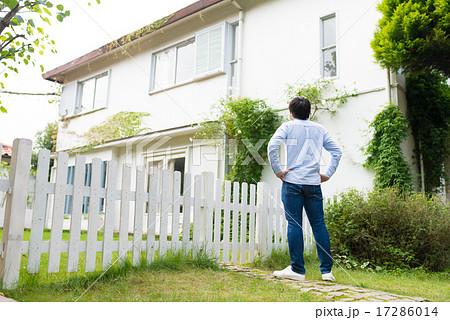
point(336, 294)
point(346, 299)
point(373, 300)
point(332, 291)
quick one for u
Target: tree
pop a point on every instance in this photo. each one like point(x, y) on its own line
point(21, 33)
point(428, 98)
point(45, 139)
point(413, 35)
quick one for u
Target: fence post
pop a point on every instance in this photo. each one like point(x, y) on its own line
point(16, 205)
point(261, 218)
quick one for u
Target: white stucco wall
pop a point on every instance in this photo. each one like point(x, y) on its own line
point(129, 83)
point(281, 47)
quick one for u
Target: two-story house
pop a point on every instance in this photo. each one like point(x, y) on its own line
point(177, 68)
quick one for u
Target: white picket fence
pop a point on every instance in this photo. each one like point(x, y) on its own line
point(231, 222)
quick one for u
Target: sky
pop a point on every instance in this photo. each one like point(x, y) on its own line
point(86, 29)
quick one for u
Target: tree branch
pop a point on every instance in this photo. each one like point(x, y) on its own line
point(11, 40)
point(7, 19)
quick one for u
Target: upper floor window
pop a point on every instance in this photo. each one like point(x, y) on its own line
point(186, 60)
point(328, 45)
point(92, 93)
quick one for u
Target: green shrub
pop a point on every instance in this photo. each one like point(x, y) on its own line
point(385, 155)
point(390, 229)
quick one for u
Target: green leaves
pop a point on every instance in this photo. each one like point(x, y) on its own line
point(10, 3)
point(121, 125)
point(413, 35)
point(390, 229)
point(428, 98)
point(385, 156)
point(322, 94)
point(246, 123)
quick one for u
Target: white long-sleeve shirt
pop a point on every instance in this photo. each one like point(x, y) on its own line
point(304, 141)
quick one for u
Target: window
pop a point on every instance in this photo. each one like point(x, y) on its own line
point(87, 183)
point(328, 46)
point(182, 62)
point(174, 65)
point(92, 93)
point(232, 84)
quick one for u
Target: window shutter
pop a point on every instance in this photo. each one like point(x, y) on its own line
point(209, 50)
point(202, 53)
point(68, 99)
point(215, 48)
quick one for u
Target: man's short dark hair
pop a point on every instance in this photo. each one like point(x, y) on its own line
point(300, 108)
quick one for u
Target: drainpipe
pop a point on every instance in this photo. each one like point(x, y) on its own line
point(239, 53)
point(237, 91)
point(388, 86)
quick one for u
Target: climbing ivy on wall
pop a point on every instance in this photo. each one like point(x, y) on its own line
point(428, 97)
point(322, 94)
point(385, 156)
point(248, 125)
point(120, 125)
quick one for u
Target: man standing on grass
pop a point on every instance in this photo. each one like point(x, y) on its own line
point(304, 141)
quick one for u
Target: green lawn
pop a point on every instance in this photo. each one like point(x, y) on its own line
point(434, 286)
point(179, 278)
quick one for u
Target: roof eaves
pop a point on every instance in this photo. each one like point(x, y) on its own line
point(52, 75)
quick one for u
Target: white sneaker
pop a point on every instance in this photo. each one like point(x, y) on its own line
point(287, 273)
point(328, 277)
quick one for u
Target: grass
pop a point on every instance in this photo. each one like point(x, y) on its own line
point(177, 277)
point(180, 277)
point(434, 286)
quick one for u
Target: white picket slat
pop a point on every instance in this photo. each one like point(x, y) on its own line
point(244, 211)
point(226, 223)
point(208, 180)
point(251, 229)
point(235, 224)
point(277, 223)
point(110, 200)
point(54, 255)
point(94, 204)
point(283, 220)
point(217, 218)
point(39, 210)
point(151, 218)
point(262, 218)
point(15, 211)
point(138, 215)
point(187, 210)
point(124, 213)
point(196, 242)
point(175, 243)
point(75, 217)
point(164, 213)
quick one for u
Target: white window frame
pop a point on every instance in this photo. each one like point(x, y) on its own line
point(78, 97)
point(321, 48)
point(153, 88)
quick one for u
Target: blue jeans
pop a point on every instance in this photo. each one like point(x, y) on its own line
point(295, 197)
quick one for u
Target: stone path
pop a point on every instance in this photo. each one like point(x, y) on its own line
point(329, 290)
point(4, 299)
